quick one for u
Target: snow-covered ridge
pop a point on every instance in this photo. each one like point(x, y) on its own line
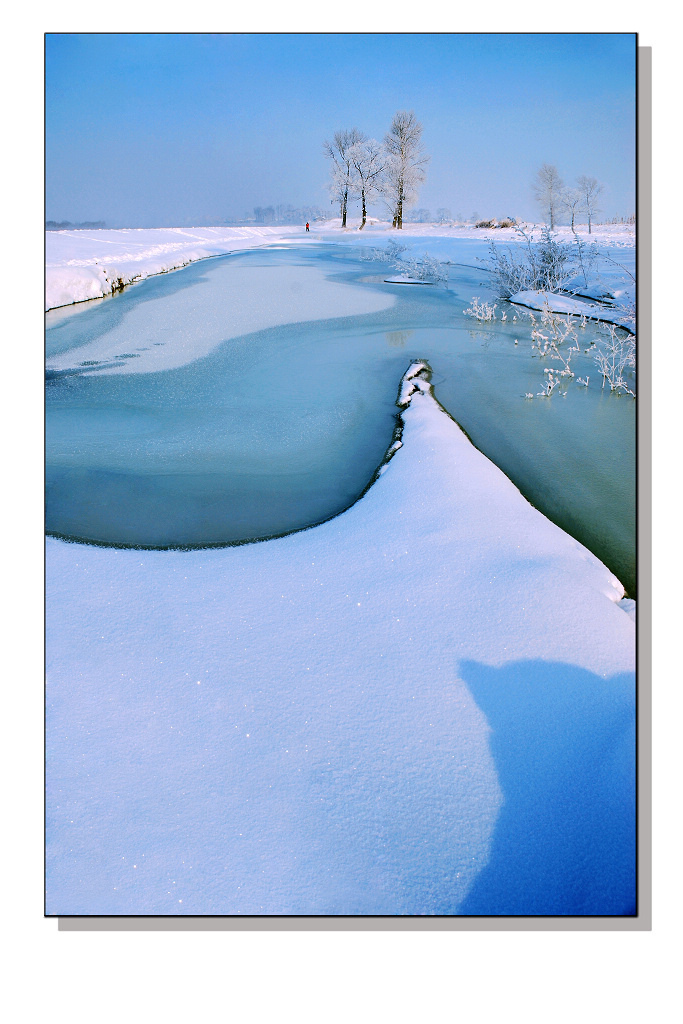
point(422, 706)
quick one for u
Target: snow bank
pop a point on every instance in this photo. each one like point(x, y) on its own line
point(83, 264)
point(422, 706)
point(578, 307)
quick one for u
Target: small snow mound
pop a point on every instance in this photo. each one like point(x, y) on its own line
point(416, 368)
point(416, 378)
point(404, 280)
point(629, 606)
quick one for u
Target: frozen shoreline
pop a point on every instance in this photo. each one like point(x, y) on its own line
point(567, 304)
point(375, 715)
point(82, 265)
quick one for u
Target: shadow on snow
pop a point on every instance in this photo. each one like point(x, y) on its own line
point(563, 741)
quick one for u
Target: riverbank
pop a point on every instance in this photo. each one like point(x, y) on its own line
point(83, 264)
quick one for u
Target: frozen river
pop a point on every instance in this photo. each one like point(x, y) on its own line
point(254, 394)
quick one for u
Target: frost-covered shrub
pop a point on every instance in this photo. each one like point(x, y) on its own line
point(394, 250)
point(481, 310)
point(486, 224)
point(390, 254)
point(427, 269)
point(552, 381)
point(549, 332)
point(547, 265)
point(615, 356)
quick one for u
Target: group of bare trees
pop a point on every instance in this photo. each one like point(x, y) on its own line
point(556, 199)
point(367, 170)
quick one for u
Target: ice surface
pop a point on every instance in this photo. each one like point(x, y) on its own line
point(425, 705)
point(168, 332)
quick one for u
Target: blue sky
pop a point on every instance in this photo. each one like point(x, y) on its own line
point(161, 130)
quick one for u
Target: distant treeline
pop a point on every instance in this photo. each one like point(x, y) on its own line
point(64, 225)
point(284, 214)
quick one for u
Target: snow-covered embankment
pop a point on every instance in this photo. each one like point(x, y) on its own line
point(82, 264)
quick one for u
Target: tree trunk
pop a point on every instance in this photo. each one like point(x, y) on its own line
point(346, 194)
point(362, 196)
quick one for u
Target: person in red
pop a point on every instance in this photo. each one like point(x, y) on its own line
point(307, 226)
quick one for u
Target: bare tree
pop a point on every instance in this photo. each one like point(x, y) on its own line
point(342, 180)
point(548, 188)
point(571, 199)
point(405, 164)
point(590, 189)
point(368, 160)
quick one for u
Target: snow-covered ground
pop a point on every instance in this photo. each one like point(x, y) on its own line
point(82, 264)
point(424, 705)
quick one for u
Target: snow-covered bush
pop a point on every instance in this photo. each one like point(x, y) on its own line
point(547, 265)
point(427, 269)
point(391, 253)
point(548, 334)
point(506, 222)
point(552, 331)
point(615, 355)
point(481, 310)
point(552, 381)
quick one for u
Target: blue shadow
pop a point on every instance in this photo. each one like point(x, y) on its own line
point(563, 742)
